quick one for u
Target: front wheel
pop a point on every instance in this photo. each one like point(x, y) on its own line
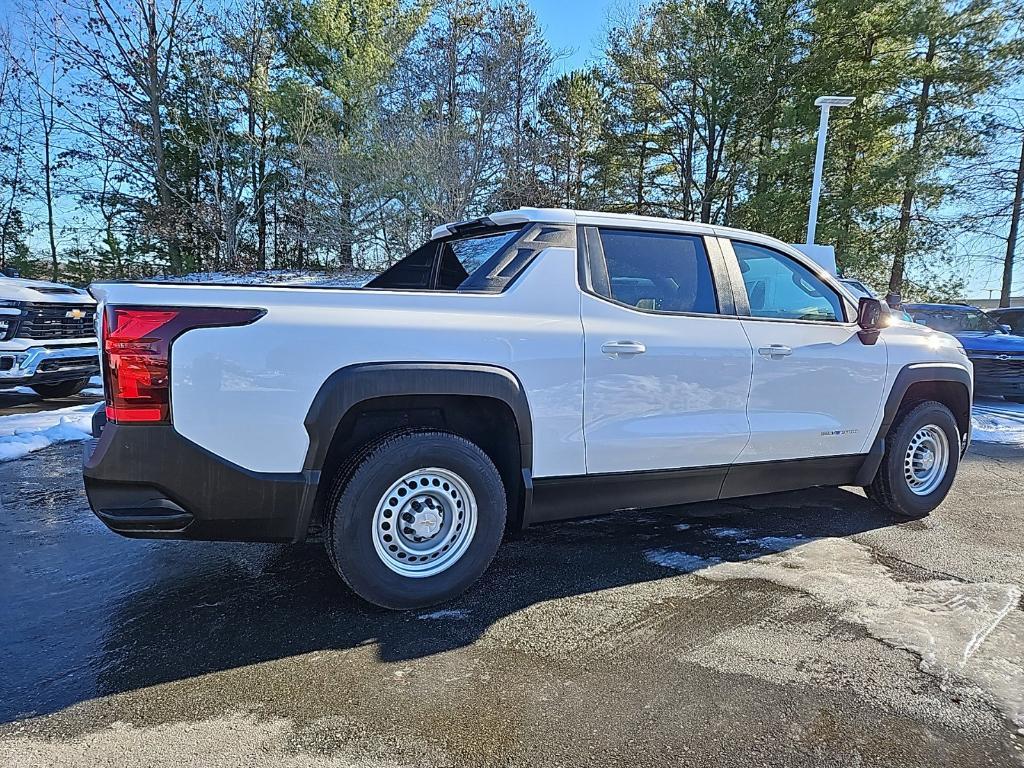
point(417, 521)
point(60, 389)
point(922, 454)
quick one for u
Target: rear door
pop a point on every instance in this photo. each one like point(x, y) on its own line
point(816, 387)
point(667, 362)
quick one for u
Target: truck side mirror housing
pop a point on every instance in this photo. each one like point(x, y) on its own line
point(870, 318)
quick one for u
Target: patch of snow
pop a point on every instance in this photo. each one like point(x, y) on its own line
point(942, 621)
point(24, 433)
point(766, 543)
point(444, 613)
point(778, 543)
point(679, 561)
point(351, 278)
point(997, 421)
point(682, 526)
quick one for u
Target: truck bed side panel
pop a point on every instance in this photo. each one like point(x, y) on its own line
point(243, 393)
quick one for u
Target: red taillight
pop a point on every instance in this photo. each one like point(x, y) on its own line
point(136, 355)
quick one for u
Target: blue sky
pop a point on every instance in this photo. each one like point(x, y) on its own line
point(574, 26)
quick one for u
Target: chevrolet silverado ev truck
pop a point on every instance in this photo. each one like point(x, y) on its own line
point(47, 337)
point(529, 366)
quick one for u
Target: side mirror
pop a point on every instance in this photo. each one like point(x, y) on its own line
point(870, 318)
point(1006, 328)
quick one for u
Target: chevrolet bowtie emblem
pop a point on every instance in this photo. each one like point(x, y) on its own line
point(75, 314)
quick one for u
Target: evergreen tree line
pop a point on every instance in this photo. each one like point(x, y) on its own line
point(171, 136)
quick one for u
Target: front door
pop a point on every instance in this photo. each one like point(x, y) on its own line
point(667, 374)
point(816, 387)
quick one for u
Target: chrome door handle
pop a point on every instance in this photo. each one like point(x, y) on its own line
point(618, 349)
point(775, 352)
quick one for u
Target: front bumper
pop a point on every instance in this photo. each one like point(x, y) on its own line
point(48, 365)
point(150, 482)
point(998, 375)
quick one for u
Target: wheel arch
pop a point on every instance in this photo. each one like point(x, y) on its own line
point(484, 403)
point(950, 385)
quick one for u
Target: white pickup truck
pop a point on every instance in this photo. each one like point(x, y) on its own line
point(47, 337)
point(529, 366)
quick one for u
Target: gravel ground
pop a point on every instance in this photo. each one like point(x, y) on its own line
point(796, 629)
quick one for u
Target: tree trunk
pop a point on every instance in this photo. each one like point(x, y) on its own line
point(1011, 239)
point(709, 174)
point(48, 186)
point(641, 201)
point(899, 260)
point(154, 98)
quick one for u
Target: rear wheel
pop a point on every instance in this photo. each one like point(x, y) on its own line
point(417, 520)
point(922, 453)
point(60, 389)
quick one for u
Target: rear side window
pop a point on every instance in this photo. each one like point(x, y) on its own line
point(460, 259)
point(657, 271)
point(780, 288)
point(411, 273)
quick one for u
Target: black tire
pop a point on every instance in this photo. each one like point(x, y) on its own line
point(891, 488)
point(350, 517)
point(60, 389)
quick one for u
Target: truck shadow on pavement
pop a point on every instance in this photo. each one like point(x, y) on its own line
point(247, 608)
point(99, 615)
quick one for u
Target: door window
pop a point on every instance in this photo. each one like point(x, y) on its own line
point(1013, 319)
point(783, 289)
point(657, 271)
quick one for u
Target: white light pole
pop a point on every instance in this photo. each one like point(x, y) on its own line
point(824, 103)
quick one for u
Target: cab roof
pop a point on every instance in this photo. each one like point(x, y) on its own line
point(943, 307)
point(588, 218)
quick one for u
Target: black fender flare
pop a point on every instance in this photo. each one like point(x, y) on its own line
point(911, 374)
point(349, 386)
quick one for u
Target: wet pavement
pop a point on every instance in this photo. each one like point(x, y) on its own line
point(655, 638)
point(17, 401)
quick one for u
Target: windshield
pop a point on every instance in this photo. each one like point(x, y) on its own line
point(858, 288)
point(954, 320)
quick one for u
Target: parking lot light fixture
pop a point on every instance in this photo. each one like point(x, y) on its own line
point(824, 103)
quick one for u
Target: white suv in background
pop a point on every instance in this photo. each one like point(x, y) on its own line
point(47, 337)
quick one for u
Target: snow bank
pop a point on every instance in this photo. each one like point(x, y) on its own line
point(26, 432)
point(942, 621)
point(353, 278)
point(998, 421)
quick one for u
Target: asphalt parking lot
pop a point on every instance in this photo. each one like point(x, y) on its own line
point(796, 629)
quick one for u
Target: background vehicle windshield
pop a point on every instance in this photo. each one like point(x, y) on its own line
point(954, 320)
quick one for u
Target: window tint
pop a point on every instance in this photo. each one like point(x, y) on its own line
point(461, 258)
point(781, 288)
point(657, 271)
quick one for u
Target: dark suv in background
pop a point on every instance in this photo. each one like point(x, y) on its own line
point(998, 356)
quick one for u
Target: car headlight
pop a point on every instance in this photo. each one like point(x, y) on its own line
point(9, 303)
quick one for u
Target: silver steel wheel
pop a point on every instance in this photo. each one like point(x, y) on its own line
point(926, 460)
point(425, 522)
